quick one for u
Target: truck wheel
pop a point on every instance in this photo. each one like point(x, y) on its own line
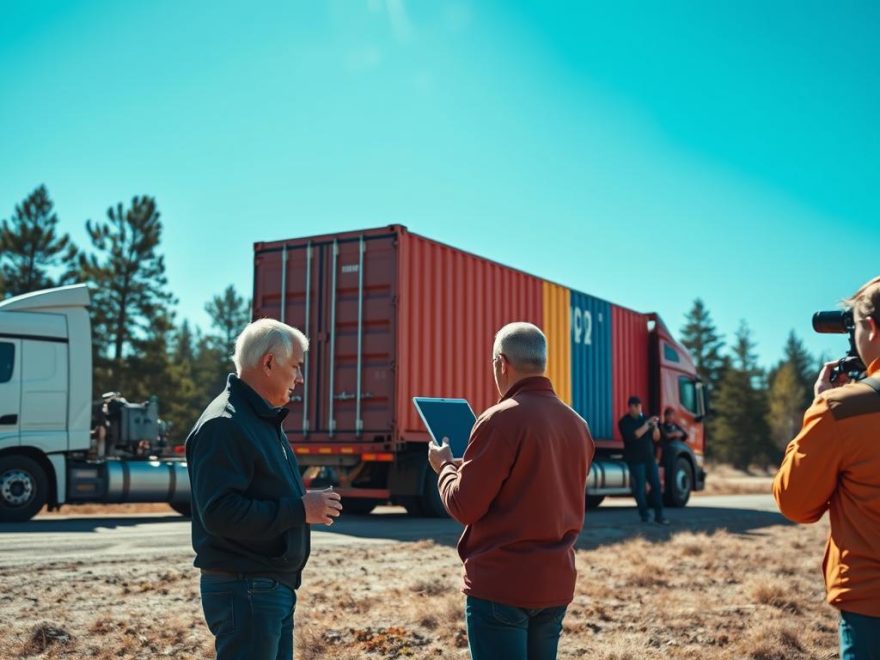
point(183, 508)
point(679, 487)
point(24, 488)
point(430, 504)
point(593, 501)
point(358, 506)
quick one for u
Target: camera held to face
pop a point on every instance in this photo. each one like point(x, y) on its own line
point(841, 322)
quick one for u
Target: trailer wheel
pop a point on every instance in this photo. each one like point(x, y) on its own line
point(24, 488)
point(183, 508)
point(430, 504)
point(679, 487)
point(593, 501)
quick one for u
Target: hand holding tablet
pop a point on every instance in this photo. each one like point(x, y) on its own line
point(451, 419)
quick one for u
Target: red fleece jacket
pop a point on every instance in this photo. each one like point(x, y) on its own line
point(520, 493)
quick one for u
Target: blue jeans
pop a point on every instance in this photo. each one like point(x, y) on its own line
point(640, 473)
point(859, 636)
point(250, 618)
point(502, 631)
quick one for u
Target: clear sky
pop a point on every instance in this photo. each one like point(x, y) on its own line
point(647, 153)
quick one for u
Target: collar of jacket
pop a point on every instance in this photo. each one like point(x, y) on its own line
point(530, 384)
point(874, 367)
point(258, 404)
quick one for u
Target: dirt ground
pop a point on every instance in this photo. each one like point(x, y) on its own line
point(654, 594)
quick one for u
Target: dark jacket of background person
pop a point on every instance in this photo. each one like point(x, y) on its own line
point(636, 449)
point(834, 465)
point(247, 514)
point(667, 429)
point(520, 493)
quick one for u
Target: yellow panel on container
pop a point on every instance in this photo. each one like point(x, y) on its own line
point(557, 327)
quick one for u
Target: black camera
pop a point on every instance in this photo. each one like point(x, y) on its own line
point(840, 323)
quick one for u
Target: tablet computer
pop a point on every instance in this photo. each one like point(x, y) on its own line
point(447, 418)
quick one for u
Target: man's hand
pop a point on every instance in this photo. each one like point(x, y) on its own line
point(823, 383)
point(439, 454)
point(322, 506)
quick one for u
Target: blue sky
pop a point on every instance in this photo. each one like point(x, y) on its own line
point(647, 153)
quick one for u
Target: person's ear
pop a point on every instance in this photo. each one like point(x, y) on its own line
point(268, 361)
point(873, 329)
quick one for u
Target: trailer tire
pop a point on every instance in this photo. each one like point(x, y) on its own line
point(430, 505)
point(593, 501)
point(24, 488)
point(680, 486)
point(183, 508)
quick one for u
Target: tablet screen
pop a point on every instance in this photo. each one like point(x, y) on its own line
point(447, 418)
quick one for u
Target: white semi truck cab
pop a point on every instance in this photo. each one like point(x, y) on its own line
point(56, 446)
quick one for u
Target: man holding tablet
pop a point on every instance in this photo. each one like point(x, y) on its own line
point(519, 490)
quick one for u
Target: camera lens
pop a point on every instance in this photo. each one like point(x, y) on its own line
point(834, 322)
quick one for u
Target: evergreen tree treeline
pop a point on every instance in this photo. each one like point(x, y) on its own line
point(139, 350)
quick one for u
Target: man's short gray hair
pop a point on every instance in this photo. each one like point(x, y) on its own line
point(524, 346)
point(266, 336)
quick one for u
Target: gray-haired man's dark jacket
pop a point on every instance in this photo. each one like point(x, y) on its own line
point(247, 510)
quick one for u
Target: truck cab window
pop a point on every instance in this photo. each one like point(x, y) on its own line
point(7, 361)
point(669, 353)
point(687, 394)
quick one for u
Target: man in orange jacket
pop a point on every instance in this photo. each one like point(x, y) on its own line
point(834, 465)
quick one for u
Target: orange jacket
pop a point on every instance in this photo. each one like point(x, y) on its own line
point(834, 465)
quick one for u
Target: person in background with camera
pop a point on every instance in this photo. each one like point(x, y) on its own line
point(639, 435)
point(670, 432)
point(833, 465)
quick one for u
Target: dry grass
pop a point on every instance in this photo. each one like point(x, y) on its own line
point(726, 480)
point(111, 509)
point(655, 595)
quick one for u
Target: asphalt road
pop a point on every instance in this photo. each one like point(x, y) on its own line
point(72, 537)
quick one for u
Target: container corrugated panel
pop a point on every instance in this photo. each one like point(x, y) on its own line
point(591, 362)
point(557, 328)
point(451, 304)
point(282, 270)
point(630, 350)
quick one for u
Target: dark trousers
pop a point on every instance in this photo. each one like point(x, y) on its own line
point(640, 474)
point(859, 637)
point(250, 618)
point(502, 631)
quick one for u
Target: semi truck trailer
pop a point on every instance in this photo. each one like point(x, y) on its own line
point(392, 315)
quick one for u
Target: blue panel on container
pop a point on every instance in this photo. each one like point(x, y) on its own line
point(591, 363)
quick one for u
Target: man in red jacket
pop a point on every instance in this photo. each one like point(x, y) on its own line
point(519, 490)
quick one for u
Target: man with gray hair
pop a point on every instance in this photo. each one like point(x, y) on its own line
point(520, 492)
point(251, 511)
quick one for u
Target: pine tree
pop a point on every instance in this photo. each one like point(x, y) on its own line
point(130, 298)
point(229, 314)
point(786, 405)
point(211, 366)
point(740, 434)
point(705, 345)
point(803, 368)
point(183, 406)
point(31, 247)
